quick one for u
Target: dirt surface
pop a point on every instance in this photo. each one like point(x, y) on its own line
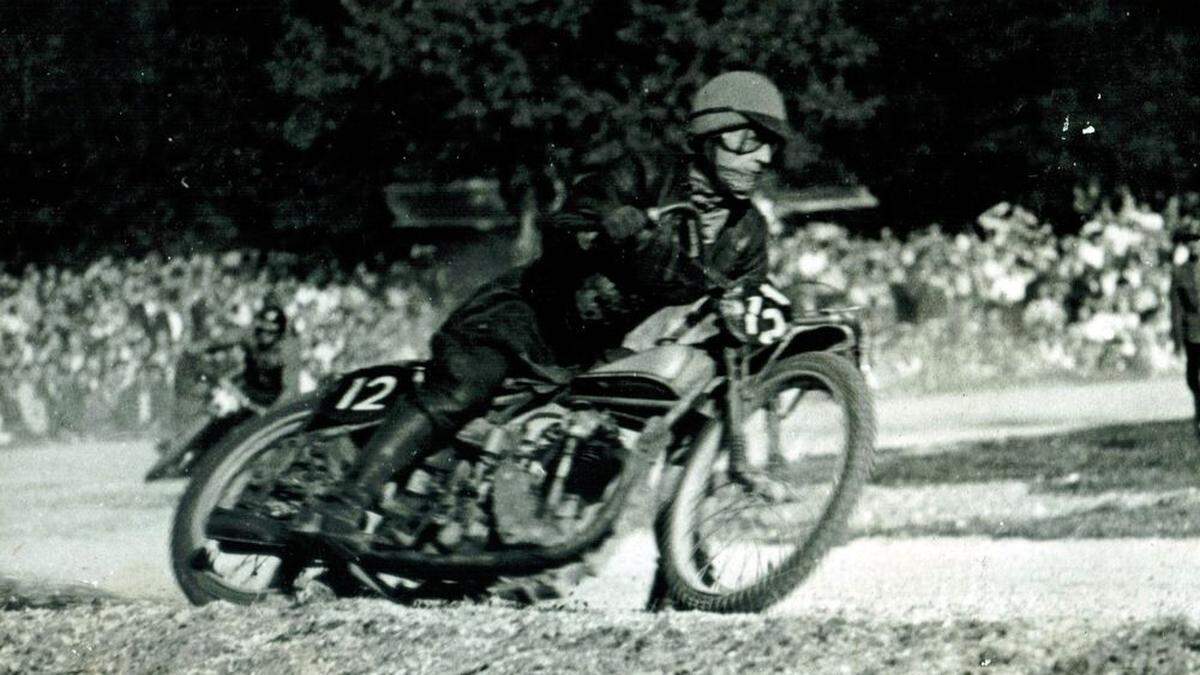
point(372, 636)
point(929, 422)
point(997, 537)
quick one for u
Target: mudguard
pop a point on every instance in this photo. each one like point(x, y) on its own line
point(820, 337)
point(813, 336)
point(363, 397)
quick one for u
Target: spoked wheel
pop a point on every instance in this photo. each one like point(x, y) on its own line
point(225, 482)
point(811, 426)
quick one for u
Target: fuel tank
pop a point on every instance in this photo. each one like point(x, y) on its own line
point(660, 373)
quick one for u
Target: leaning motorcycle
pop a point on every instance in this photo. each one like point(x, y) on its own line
point(540, 480)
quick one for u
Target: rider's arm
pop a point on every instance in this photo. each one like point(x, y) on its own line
point(610, 197)
point(218, 348)
point(197, 368)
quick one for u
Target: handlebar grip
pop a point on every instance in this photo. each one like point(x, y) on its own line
point(656, 213)
point(693, 318)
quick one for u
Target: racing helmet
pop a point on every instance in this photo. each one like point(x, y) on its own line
point(736, 99)
point(270, 323)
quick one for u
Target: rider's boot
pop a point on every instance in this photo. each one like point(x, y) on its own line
point(337, 519)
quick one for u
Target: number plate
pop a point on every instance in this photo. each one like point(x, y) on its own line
point(367, 394)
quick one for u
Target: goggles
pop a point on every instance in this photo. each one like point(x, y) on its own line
point(742, 141)
point(267, 330)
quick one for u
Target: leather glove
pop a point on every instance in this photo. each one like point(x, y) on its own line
point(625, 222)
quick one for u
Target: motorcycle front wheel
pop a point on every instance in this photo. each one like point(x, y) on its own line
point(811, 428)
point(205, 569)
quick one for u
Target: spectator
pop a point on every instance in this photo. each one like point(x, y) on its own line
point(1185, 316)
point(1011, 298)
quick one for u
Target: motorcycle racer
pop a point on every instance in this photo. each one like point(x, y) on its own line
point(1185, 314)
point(267, 371)
point(605, 267)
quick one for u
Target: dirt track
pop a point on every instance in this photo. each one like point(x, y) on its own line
point(79, 513)
point(372, 636)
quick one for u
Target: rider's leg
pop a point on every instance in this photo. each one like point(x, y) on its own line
point(458, 385)
point(219, 427)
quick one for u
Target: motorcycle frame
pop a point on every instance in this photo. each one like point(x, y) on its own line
point(682, 425)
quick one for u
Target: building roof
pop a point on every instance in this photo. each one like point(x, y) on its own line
point(468, 204)
point(476, 204)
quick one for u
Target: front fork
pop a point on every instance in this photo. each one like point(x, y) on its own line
point(737, 394)
point(735, 411)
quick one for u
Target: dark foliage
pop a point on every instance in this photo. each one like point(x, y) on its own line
point(993, 101)
point(134, 125)
point(178, 125)
point(413, 90)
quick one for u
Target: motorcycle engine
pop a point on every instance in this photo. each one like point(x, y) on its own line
point(555, 475)
point(586, 441)
point(535, 481)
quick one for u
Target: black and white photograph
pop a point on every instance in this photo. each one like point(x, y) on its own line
point(599, 336)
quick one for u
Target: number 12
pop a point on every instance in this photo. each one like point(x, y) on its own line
point(386, 384)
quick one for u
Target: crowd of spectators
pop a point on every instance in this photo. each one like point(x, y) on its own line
point(1008, 299)
point(95, 348)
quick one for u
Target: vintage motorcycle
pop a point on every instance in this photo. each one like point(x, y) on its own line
point(541, 479)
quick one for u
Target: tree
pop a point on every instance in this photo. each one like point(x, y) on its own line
point(134, 125)
point(1024, 100)
point(423, 90)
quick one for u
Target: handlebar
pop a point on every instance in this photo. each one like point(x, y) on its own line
point(656, 213)
point(227, 384)
point(721, 284)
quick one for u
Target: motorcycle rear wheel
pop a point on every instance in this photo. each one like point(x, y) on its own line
point(207, 570)
point(691, 557)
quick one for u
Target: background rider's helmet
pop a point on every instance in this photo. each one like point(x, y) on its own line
point(270, 323)
point(736, 99)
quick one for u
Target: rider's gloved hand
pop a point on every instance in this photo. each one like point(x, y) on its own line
point(625, 222)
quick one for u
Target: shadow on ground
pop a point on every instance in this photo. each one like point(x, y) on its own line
point(1152, 456)
point(18, 595)
point(1123, 480)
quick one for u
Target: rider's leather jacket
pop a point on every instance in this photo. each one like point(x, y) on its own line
point(271, 372)
point(591, 286)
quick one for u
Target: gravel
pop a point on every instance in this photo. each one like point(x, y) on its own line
point(364, 636)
